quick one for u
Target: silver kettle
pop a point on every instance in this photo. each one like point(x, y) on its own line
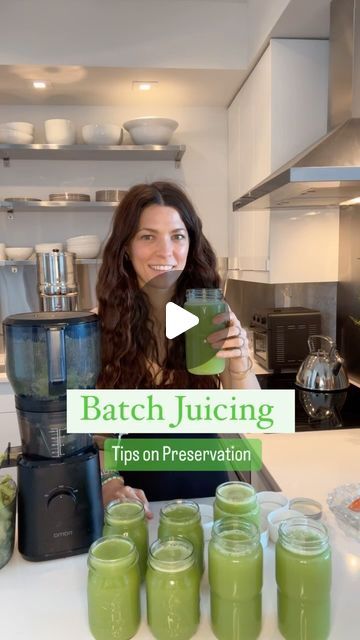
point(323, 369)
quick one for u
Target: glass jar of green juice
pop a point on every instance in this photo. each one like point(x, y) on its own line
point(201, 358)
point(235, 579)
point(172, 589)
point(182, 518)
point(237, 499)
point(303, 576)
point(113, 588)
point(127, 518)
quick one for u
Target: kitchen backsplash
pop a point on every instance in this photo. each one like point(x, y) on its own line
point(245, 297)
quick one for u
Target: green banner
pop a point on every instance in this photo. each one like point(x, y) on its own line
point(185, 454)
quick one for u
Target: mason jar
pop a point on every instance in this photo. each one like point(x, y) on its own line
point(113, 588)
point(127, 518)
point(200, 355)
point(172, 589)
point(235, 579)
point(303, 576)
point(237, 499)
point(182, 518)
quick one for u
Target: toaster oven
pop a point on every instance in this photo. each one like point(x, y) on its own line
point(281, 335)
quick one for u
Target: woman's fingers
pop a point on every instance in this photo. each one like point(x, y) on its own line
point(141, 496)
point(138, 494)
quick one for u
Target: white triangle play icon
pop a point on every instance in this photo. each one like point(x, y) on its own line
point(178, 320)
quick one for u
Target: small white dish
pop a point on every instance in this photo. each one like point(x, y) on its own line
point(207, 519)
point(18, 253)
point(272, 501)
point(276, 517)
point(108, 134)
point(48, 247)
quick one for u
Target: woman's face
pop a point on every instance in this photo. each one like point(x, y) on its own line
point(160, 245)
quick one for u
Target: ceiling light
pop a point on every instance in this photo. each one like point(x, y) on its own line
point(312, 213)
point(40, 84)
point(352, 201)
point(144, 85)
point(293, 218)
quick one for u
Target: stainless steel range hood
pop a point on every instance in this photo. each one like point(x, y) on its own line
point(328, 172)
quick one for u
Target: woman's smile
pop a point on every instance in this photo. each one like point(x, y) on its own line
point(160, 245)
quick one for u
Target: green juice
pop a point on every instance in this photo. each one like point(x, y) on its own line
point(127, 518)
point(172, 590)
point(113, 589)
point(182, 518)
point(237, 498)
point(235, 578)
point(303, 576)
point(200, 356)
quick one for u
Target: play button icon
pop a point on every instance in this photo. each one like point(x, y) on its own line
point(178, 320)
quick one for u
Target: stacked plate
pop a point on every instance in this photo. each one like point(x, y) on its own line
point(109, 195)
point(22, 199)
point(17, 132)
point(84, 246)
point(73, 197)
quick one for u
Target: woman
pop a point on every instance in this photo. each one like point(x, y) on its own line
point(156, 236)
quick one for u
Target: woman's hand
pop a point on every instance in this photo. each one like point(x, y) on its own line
point(115, 489)
point(231, 343)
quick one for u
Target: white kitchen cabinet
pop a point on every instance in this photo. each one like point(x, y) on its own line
point(302, 246)
point(279, 111)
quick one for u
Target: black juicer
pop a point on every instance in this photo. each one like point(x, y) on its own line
point(60, 509)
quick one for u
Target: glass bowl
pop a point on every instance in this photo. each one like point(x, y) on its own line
point(7, 518)
point(339, 500)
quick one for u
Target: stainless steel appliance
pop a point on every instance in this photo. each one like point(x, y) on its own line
point(323, 368)
point(328, 172)
point(318, 411)
point(281, 335)
point(60, 504)
point(57, 281)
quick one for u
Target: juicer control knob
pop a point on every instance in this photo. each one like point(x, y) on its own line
point(62, 500)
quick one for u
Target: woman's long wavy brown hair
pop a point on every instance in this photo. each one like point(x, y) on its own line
point(127, 339)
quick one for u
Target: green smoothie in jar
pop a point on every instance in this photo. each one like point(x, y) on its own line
point(113, 589)
point(201, 358)
point(235, 579)
point(127, 518)
point(303, 576)
point(237, 498)
point(182, 518)
point(172, 590)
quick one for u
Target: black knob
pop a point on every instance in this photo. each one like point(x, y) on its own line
point(62, 502)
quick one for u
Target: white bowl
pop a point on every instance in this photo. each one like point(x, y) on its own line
point(151, 130)
point(79, 239)
point(276, 517)
point(102, 134)
point(48, 247)
point(12, 136)
point(85, 252)
point(59, 131)
point(26, 127)
point(18, 253)
point(272, 501)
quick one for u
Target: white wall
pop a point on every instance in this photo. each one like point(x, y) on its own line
point(125, 33)
point(262, 16)
point(203, 173)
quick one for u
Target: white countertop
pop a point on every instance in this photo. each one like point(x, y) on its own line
point(48, 599)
